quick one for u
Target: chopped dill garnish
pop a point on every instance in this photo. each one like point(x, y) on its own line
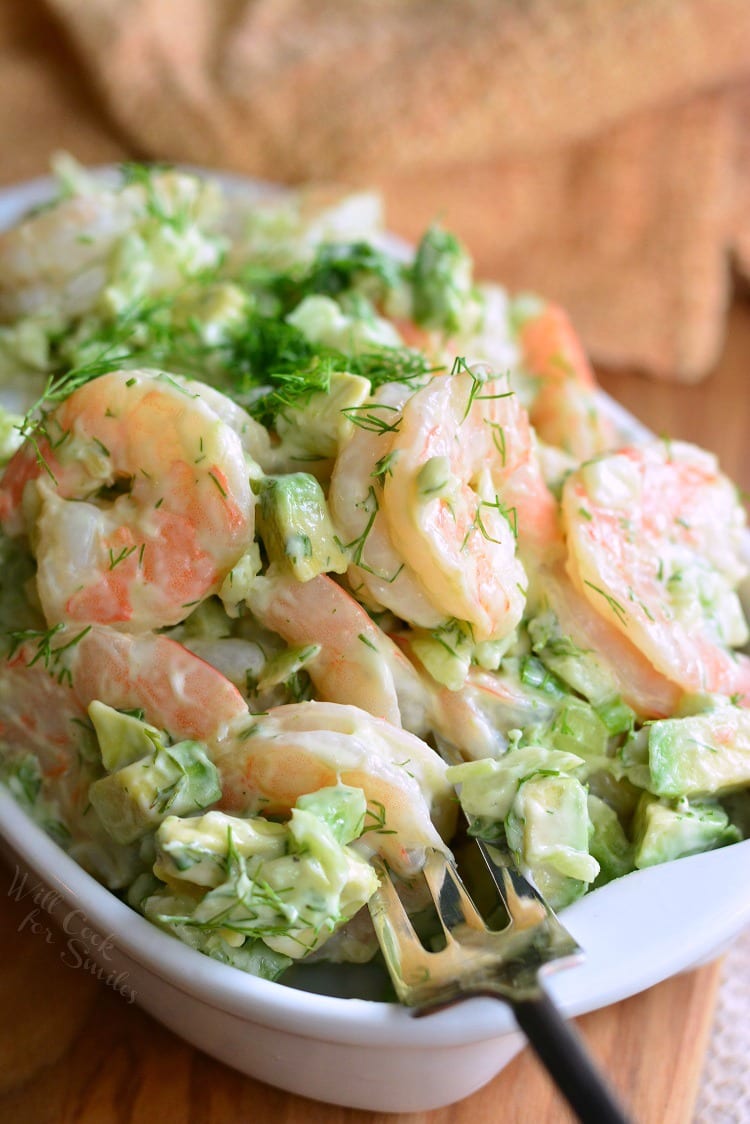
point(365, 417)
point(618, 609)
point(115, 559)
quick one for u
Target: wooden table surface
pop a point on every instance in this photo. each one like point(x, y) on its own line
point(74, 1052)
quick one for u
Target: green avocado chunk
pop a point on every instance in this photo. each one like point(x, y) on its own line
point(295, 526)
point(174, 780)
point(702, 755)
point(547, 830)
point(663, 831)
point(123, 738)
point(608, 842)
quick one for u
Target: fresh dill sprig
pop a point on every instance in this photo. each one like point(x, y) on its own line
point(48, 655)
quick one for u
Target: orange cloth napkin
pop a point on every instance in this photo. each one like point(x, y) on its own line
point(607, 134)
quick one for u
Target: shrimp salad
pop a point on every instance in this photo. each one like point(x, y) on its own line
point(302, 535)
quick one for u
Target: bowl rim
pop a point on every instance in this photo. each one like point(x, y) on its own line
point(616, 906)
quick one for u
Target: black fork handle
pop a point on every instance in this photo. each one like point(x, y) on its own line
point(560, 1048)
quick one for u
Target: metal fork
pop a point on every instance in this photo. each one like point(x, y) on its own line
point(505, 963)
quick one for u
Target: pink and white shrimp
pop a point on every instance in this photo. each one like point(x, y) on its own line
point(460, 440)
point(436, 501)
point(48, 683)
point(564, 411)
point(378, 573)
point(137, 499)
point(303, 747)
point(60, 257)
point(654, 545)
point(599, 660)
point(265, 762)
point(356, 662)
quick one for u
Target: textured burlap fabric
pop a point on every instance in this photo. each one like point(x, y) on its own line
point(608, 134)
point(724, 1096)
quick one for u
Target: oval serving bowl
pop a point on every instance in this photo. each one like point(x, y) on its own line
point(357, 1052)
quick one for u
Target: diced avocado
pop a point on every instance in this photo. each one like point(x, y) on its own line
point(447, 662)
point(441, 281)
point(123, 738)
point(547, 830)
point(350, 325)
point(173, 911)
point(295, 526)
point(319, 424)
point(213, 311)
point(633, 756)
point(247, 880)
point(196, 849)
point(737, 805)
point(581, 669)
point(608, 843)
point(616, 715)
point(489, 785)
point(321, 884)
point(292, 902)
point(665, 830)
point(341, 807)
point(702, 755)
point(176, 779)
point(615, 790)
point(281, 668)
point(575, 728)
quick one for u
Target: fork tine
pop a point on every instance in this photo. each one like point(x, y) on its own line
point(402, 949)
point(454, 906)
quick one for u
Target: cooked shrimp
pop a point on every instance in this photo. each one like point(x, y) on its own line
point(144, 502)
point(357, 663)
point(654, 545)
point(434, 500)
point(176, 690)
point(48, 683)
point(458, 441)
point(303, 747)
point(59, 257)
point(593, 656)
point(564, 411)
point(378, 573)
point(40, 714)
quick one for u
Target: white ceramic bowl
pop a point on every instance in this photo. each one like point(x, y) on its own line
point(635, 932)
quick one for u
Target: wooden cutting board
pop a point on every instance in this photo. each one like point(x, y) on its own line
point(73, 1051)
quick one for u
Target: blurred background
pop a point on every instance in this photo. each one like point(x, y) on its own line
point(593, 150)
